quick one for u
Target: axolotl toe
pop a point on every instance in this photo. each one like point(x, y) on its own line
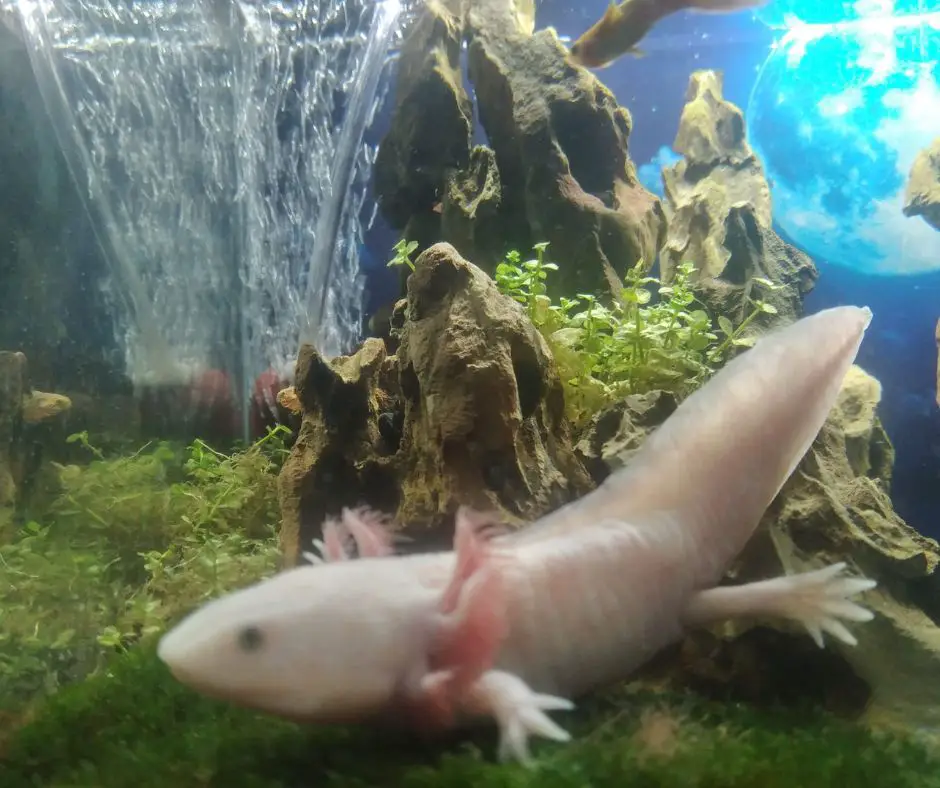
point(511, 626)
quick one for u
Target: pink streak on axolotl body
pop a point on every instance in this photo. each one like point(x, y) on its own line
point(512, 626)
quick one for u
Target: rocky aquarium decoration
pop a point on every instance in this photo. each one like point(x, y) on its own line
point(923, 189)
point(469, 411)
point(720, 217)
point(558, 169)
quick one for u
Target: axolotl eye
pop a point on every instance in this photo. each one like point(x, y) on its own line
point(250, 639)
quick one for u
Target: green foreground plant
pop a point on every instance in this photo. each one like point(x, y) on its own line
point(633, 345)
point(133, 725)
point(127, 545)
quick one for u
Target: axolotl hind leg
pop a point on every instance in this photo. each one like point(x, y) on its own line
point(819, 600)
point(458, 678)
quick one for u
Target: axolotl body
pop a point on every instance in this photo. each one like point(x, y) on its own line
point(510, 626)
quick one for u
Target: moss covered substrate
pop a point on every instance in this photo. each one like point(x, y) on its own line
point(133, 725)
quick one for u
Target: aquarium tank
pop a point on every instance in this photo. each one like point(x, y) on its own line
point(443, 393)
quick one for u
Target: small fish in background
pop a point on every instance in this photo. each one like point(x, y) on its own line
point(623, 26)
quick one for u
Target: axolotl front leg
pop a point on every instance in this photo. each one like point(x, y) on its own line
point(456, 678)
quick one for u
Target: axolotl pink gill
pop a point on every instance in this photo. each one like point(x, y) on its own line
point(510, 626)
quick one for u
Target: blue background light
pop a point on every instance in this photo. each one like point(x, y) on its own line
point(784, 13)
point(837, 114)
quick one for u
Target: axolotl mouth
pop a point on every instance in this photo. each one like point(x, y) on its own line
point(265, 696)
point(172, 650)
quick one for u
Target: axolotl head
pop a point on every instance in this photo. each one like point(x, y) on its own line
point(320, 643)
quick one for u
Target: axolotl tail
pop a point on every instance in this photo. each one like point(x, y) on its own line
point(722, 457)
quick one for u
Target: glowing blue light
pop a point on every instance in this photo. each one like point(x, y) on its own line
point(650, 174)
point(787, 13)
point(837, 115)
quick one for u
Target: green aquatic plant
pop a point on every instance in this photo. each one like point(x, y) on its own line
point(525, 281)
point(128, 544)
point(635, 343)
point(734, 337)
point(403, 251)
point(132, 724)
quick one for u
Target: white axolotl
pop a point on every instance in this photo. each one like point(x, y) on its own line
point(508, 626)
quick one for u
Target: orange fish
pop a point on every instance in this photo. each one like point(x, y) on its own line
point(623, 26)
